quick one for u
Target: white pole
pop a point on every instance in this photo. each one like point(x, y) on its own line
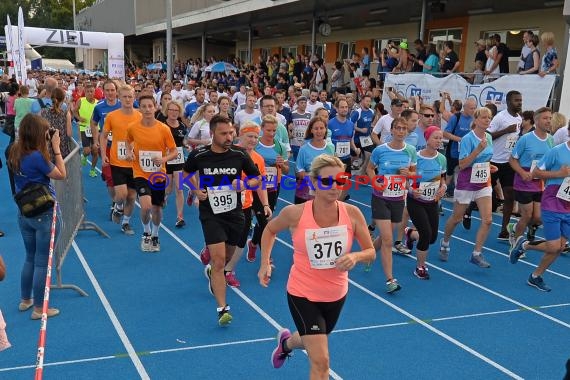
point(169, 39)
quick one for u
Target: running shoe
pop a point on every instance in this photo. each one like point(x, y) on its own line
point(155, 244)
point(224, 316)
point(392, 286)
point(116, 216)
point(511, 230)
point(180, 223)
point(127, 230)
point(443, 251)
point(146, 242)
point(279, 355)
point(479, 260)
point(408, 241)
point(517, 250)
point(251, 250)
point(401, 249)
point(421, 272)
point(503, 235)
point(538, 283)
point(205, 255)
point(208, 274)
point(531, 233)
point(92, 173)
point(83, 160)
point(232, 280)
point(467, 222)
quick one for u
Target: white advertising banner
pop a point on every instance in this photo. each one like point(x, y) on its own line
point(112, 42)
point(534, 89)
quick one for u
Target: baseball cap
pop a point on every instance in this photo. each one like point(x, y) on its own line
point(396, 102)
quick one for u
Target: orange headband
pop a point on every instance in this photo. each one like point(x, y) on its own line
point(249, 128)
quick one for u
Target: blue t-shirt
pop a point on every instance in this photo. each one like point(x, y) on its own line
point(341, 135)
point(528, 149)
point(191, 109)
point(389, 161)
point(363, 119)
point(429, 169)
point(286, 112)
point(36, 108)
point(270, 153)
point(101, 110)
point(469, 143)
point(421, 140)
point(553, 160)
point(458, 129)
point(33, 168)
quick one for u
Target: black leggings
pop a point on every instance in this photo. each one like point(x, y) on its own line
point(425, 217)
point(260, 214)
point(246, 226)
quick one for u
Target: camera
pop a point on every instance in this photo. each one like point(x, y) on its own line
point(51, 132)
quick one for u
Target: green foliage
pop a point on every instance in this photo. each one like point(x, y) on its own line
point(45, 14)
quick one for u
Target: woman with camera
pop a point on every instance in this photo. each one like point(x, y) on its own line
point(30, 162)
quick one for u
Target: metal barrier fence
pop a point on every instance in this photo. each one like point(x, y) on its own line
point(69, 194)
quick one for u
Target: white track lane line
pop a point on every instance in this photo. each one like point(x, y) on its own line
point(112, 316)
point(428, 326)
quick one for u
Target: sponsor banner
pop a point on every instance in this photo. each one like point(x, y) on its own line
point(534, 89)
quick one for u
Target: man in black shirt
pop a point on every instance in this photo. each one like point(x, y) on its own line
point(421, 55)
point(215, 172)
point(451, 60)
point(480, 55)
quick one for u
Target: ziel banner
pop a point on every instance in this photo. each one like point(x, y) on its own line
point(534, 89)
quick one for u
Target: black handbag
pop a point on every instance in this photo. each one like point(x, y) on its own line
point(34, 199)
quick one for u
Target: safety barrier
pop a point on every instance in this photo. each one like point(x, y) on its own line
point(69, 194)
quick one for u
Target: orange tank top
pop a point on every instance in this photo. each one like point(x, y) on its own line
point(313, 274)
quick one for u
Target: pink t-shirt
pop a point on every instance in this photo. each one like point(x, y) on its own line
point(317, 247)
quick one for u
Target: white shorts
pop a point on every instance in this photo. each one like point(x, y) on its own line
point(465, 197)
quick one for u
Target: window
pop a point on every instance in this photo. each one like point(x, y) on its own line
point(289, 49)
point(439, 36)
point(243, 56)
point(265, 52)
point(320, 50)
point(346, 50)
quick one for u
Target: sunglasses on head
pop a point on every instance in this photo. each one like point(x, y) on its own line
point(328, 181)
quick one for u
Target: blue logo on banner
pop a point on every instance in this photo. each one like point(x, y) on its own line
point(415, 91)
point(495, 97)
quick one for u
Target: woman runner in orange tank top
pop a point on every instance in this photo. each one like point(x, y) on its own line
point(322, 231)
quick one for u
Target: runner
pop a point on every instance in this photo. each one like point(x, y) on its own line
point(84, 112)
point(423, 199)
point(322, 232)
point(174, 166)
point(473, 184)
point(275, 155)
point(219, 167)
point(316, 145)
point(554, 169)
point(392, 161)
point(300, 119)
point(149, 146)
point(117, 123)
point(102, 109)
point(249, 135)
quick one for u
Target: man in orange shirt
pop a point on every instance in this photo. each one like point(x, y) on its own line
point(117, 123)
point(149, 146)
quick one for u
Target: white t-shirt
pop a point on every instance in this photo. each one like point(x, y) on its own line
point(383, 127)
point(33, 85)
point(561, 136)
point(243, 116)
point(503, 146)
point(200, 131)
point(239, 98)
point(313, 107)
point(179, 96)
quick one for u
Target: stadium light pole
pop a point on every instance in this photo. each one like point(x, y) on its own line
point(169, 39)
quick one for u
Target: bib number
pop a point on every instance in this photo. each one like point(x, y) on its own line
point(146, 160)
point(394, 188)
point(122, 150)
point(533, 166)
point(365, 141)
point(270, 175)
point(179, 157)
point(480, 172)
point(564, 190)
point(222, 200)
point(428, 190)
point(88, 132)
point(511, 141)
point(325, 245)
point(342, 148)
point(299, 135)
